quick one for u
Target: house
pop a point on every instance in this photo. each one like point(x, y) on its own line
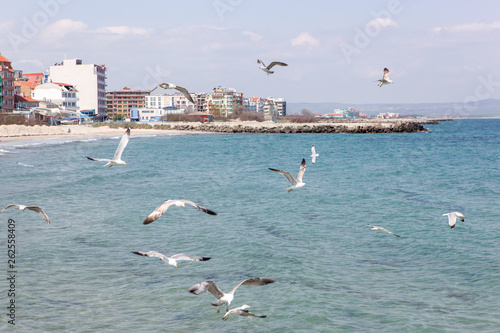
point(62, 94)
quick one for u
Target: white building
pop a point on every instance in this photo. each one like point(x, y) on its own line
point(158, 101)
point(153, 114)
point(89, 79)
point(64, 95)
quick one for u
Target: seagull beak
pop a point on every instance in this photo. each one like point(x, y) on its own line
point(175, 266)
point(126, 164)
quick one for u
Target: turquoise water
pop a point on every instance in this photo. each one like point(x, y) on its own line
point(334, 274)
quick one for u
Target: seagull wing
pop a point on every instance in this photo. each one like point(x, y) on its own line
point(162, 208)
point(122, 145)
point(274, 63)
point(253, 282)
point(99, 159)
point(186, 93)
point(39, 211)
point(301, 171)
point(286, 174)
point(452, 219)
point(260, 62)
point(206, 210)
point(386, 74)
point(151, 254)
point(203, 287)
point(182, 256)
point(9, 206)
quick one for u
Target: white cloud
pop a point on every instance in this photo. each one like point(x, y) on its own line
point(123, 30)
point(253, 36)
point(383, 22)
point(59, 29)
point(305, 39)
point(468, 27)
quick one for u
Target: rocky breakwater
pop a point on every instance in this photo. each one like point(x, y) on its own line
point(394, 127)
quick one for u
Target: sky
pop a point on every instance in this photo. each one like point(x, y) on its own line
point(436, 51)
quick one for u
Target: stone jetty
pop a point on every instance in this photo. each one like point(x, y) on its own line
point(355, 127)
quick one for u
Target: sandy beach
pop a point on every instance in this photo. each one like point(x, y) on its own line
point(22, 132)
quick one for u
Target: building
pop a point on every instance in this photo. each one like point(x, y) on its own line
point(6, 85)
point(153, 114)
point(279, 106)
point(388, 115)
point(36, 78)
point(120, 102)
point(25, 102)
point(221, 101)
point(158, 101)
point(62, 94)
point(89, 79)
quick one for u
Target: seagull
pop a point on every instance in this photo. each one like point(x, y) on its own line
point(117, 159)
point(267, 69)
point(26, 165)
point(226, 298)
point(296, 182)
point(375, 228)
point(162, 208)
point(170, 260)
point(33, 208)
point(242, 311)
point(184, 91)
point(385, 79)
point(313, 155)
point(452, 218)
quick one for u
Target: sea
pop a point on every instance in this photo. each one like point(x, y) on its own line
point(333, 273)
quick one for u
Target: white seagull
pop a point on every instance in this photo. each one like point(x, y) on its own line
point(313, 154)
point(162, 208)
point(267, 69)
point(375, 228)
point(242, 311)
point(117, 159)
point(297, 181)
point(452, 218)
point(33, 208)
point(184, 91)
point(385, 79)
point(170, 260)
point(226, 298)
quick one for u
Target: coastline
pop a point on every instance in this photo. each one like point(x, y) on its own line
point(22, 132)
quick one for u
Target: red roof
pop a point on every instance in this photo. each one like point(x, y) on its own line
point(62, 84)
point(2, 58)
point(21, 98)
point(28, 84)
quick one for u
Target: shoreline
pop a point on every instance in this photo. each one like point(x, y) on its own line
point(9, 133)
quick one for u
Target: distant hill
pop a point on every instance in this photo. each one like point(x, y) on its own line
point(486, 107)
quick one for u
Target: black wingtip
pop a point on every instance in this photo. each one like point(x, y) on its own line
point(205, 258)
point(135, 252)
point(90, 158)
point(211, 212)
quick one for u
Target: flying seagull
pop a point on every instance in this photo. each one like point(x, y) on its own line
point(267, 69)
point(170, 260)
point(184, 91)
point(375, 228)
point(296, 182)
point(226, 298)
point(162, 208)
point(33, 208)
point(242, 311)
point(452, 218)
point(26, 165)
point(385, 79)
point(313, 154)
point(117, 159)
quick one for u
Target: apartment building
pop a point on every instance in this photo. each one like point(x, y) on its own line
point(88, 79)
point(6, 85)
point(120, 102)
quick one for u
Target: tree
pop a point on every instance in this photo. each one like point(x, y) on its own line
point(306, 112)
